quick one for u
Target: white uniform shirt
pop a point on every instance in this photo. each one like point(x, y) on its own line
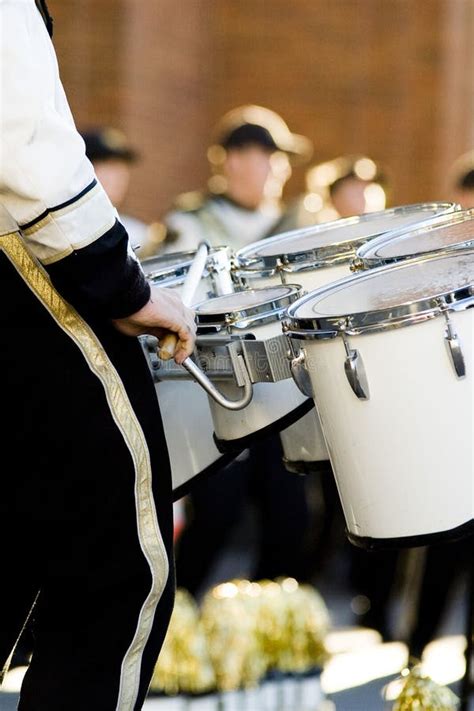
point(220, 222)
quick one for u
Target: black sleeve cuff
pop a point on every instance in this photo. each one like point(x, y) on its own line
point(103, 277)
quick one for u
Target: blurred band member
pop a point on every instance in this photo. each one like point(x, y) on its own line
point(251, 159)
point(348, 185)
point(462, 180)
point(113, 158)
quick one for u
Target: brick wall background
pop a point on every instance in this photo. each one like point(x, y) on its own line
point(391, 78)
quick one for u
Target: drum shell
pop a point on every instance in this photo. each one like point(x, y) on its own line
point(188, 428)
point(310, 278)
point(403, 460)
point(304, 441)
point(271, 403)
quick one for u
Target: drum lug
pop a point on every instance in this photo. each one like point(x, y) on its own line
point(219, 265)
point(452, 341)
point(454, 349)
point(357, 265)
point(300, 373)
point(355, 371)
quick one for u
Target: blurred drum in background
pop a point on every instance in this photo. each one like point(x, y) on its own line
point(390, 357)
point(312, 257)
point(247, 324)
point(442, 233)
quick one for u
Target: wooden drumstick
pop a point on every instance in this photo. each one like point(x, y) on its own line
point(168, 343)
point(167, 346)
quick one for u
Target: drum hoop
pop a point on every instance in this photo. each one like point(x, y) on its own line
point(181, 266)
point(344, 249)
point(295, 268)
point(369, 256)
point(405, 314)
point(168, 279)
point(265, 312)
point(257, 273)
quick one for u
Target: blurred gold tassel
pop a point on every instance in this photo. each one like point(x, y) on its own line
point(421, 693)
point(184, 665)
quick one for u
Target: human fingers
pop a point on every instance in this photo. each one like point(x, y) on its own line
point(185, 344)
point(178, 345)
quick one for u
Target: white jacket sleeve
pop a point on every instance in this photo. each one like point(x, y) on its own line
point(46, 182)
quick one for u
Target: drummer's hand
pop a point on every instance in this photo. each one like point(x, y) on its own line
point(164, 313)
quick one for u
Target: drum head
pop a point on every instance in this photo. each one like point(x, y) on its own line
point(338, 237)
point(241, 300)
point(165, 266)
point(380, 297)
point(451, 231)
point(245, 307)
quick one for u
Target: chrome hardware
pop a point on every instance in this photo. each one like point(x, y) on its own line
point(300, 374)
point(325, 243)
point(454, 348)
point(393, 316)
point(355, 371)
point(238, 313)
point(356, 265)
point(219, 266)
point(266, 360)
point(169, 370)
point(213, 392)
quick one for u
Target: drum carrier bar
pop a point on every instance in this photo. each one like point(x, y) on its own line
point(223, 355)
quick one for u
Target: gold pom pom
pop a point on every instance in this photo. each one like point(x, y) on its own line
point(420, 693)
point(184, 664)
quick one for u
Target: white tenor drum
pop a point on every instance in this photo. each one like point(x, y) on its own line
point(187, 420)
point(315, 256)
point(451, 231)
point(390, 357)
point(321, 254)
point(251, 321)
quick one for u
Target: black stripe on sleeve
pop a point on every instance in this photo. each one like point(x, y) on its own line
point(44, 214)
point(103, 278)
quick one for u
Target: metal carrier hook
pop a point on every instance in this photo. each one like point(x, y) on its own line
point(201, 378)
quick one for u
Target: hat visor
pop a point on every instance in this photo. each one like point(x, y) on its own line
point(299, 148)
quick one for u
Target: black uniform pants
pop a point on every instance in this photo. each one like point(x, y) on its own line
point(79, 508)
